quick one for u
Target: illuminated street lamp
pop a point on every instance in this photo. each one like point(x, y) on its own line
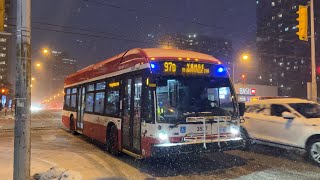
point(38, 64)
point(45, 51)
point(245, 56)
point(32, 79)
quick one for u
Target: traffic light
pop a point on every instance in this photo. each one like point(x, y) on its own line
point(2, 9)
point(302, 23)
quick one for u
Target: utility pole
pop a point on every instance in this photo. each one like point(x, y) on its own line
point(22, 141)
point(313, 55)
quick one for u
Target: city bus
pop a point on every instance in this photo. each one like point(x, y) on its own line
point(154, 102)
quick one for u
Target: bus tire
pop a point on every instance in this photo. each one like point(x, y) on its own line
point(112, 141)
point(246, 141)
point(72, 129)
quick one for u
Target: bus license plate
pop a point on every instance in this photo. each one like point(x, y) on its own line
point(223, 129)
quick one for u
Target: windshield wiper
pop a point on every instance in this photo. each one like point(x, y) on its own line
point(175, 125)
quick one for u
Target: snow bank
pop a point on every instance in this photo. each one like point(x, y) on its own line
point(56, 173)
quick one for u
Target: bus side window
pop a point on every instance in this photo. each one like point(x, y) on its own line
point(67, 98)
point(112, 102)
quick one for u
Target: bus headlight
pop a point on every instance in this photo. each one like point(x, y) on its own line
point(235, 130)
point(163, 136)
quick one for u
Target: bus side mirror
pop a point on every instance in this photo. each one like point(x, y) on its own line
point(242, 108)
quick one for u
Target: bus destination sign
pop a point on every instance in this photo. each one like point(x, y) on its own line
point(184, 68)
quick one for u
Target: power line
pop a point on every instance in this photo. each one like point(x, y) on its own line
point(179, 20)
point(75, 28)
point(95, 35)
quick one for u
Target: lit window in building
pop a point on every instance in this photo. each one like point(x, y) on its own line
point(1, 77)
point(294, 7)
point(280, 15)
point(260, 77)
point(4, 48)
point(2, 55)
point(273, 18)
point(190, 44)
point(287, 68)
point(270, 80)
point(2, 62)
point(3, 40)
point(294, 27)
point(274, 60)
point(295, 67)
point(280, 25)
point(288, 63)
point(286, 29)
point(280, 63)
point(302, 61)
point(257, 2)
point(282, 74)
point(273, 3)
point(281, 85)
point(226, 42)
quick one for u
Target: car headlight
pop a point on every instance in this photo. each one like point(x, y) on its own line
point(235, 130)
point(163, 136)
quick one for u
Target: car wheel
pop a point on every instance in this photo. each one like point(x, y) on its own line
point(112, 142)
point(246, 141)
point(313, 150)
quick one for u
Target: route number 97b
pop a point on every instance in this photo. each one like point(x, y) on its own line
point(170, 67)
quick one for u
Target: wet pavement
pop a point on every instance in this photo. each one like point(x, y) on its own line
point(53, 146)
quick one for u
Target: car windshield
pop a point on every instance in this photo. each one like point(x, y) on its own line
point(308, 110)
point(178, 98)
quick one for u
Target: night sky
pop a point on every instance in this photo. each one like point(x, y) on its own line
point(111, 20)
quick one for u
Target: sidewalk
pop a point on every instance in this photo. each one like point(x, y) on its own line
point(41, 120)
point(6, 121)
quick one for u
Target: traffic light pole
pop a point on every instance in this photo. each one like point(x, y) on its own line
point(22, 140)
point(313, 55)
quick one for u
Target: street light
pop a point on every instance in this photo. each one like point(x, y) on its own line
point(38, 64)
point(32, 79)
point(245, 56)
point(45, 51)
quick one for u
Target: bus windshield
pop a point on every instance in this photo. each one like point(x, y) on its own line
point(181, 97)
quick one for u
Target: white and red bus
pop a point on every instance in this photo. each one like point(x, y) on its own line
point(154, 102)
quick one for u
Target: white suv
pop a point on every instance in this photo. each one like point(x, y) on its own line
point(285, 122)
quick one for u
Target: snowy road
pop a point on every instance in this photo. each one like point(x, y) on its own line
point(55, 147)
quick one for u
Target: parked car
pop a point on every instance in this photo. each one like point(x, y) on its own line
point(286, 122)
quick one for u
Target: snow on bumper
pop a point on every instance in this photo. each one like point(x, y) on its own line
point(166, 149)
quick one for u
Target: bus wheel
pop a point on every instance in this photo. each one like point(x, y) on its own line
point(72, 126)
point(246, 141)
point(112, 141)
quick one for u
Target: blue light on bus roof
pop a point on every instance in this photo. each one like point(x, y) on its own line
point(220, 70)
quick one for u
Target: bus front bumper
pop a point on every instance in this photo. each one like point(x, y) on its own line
point(161, 150)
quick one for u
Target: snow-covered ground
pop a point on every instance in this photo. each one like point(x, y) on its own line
point(76, 156)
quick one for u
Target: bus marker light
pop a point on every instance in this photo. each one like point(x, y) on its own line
point(220, 70)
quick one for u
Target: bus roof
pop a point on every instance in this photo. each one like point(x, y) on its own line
point(133, 57)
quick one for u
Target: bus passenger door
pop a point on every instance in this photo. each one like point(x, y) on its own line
point(131, 119)
point(81, 106)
